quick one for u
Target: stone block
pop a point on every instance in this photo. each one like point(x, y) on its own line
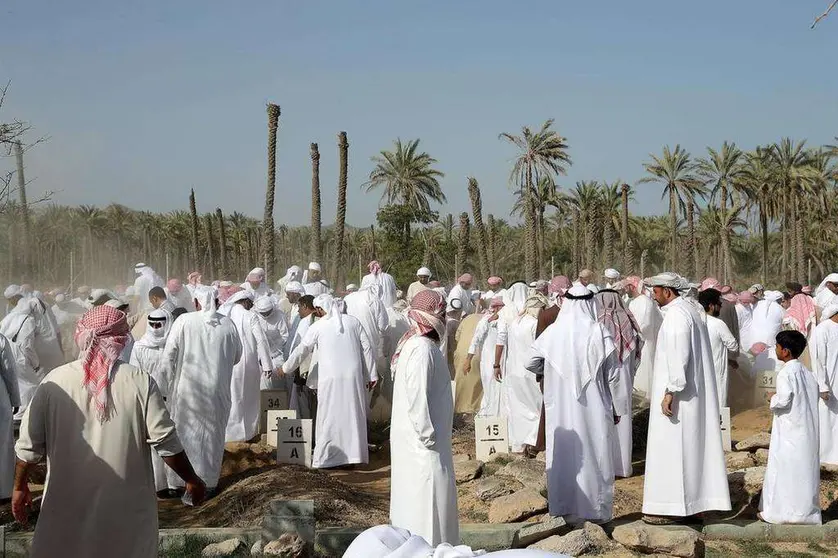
point(534, 532)
point(680, 541)
point(755, 442)
point(230, 547)
point(287, 546)
point(489, 488)
point(517, 506)
point(738, 460)
point(761, 457)
point(465, 471)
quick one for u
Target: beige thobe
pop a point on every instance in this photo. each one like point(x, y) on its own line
point(99, 499)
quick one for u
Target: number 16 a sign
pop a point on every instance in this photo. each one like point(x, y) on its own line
point(491, 436)
point(294, 442)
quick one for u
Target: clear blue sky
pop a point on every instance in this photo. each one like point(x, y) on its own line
point(143, 100)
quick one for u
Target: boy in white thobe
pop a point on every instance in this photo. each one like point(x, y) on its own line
point(792, 477)
point(484, 340)
point(825, 362)
point(685, 464)
point(722, 343)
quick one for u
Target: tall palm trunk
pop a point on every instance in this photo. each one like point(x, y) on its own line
point(530, 250)
point(316, 244)
point(673, 228)
point(372, 241)
point(607, 242)
point(268, 253)
point(223, 265)
point(643, 256)
point(490, 245)
point(576, 252)
point(725, 276)
point(624, 195)
point(801, 256)
point(693, 246)
point(340, 221)
point(462, 243)
point(785, 233)
point(24, 208)
point(590, 233)
point(193, 215)
point(210, 245)
point(629, 258)
point(449, 228)
point(477, 212)
point(791, 224)
point(763, 225)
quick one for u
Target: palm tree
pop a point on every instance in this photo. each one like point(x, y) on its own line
point(407, 176)
point(676, 172)
point(222, 243)
point(340, 221)
point(193, 214)
point(477, 212)
point(757, 180)
point(462, 244)
point(268, 253)
point(24, 206)
point(316, 238)
point(625, 192)
point(210, 244)
point(790, 160)
point(540, 154)
point(611, 215)
point(586, 199)
point(490, 243)
point(721, 171)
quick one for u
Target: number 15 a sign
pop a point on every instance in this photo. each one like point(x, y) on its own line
point(491, 436)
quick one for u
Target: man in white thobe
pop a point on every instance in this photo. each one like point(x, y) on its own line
point(95, 421)
point(423, 277)
point(462, 292)
point(791, 490)
point(313, 281)
point(255, 283)
point(147, 278)
point(20, 329)
point(722, 343)
point(745, 315)
point(648, 318)
point(301, 399)
point(367, 306)
point(293, 274)
point(826, 292)
point(485, 340)
point(685, 464)
point(9, 402)
point(346, 373)
point(198, 361)
point(825, 363)
point(767, 318)
point(274, 324)
point(255, 363)
point(577, 357)
point(288, 303)
point(383, 280)
point(423, 493)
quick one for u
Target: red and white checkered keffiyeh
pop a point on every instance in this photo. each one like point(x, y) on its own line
point(619, 321)
point(426, 314)
point(101, 334)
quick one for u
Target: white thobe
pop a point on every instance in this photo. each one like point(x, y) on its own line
point(423, 493)
point(298, 329)
point(579, 431)
point(825, 362)
point(9, 398)
point(183, 299)
point(790, 492)
point(246, 382)
point(722, 343)
point(386, 285)
point(345, 366)
point(464, 296)
point(623, 437)
point(47, 336)
point(275, 328)
point(767, 322)
point(20, 329)
point(198, 360)
point(415, 288)
point(649, 319)
point(148, 358)
point(520, 393)
point(371, 312)
point(745, 315)
point(485, 340)
point(685, 464)
point(145, 281)
point(99, 500)
point(316, 288)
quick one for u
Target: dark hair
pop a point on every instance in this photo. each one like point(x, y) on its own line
point(793, 287)
point(307, 301)
point(792, 340)
point(709, 297)
point(178, 312)
point(157, 292)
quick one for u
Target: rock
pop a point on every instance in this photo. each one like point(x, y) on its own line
point(755, 442)
point(739, 460)
point(575, 543)
point(745, 485)
point(517, 506)
point(530, 534)
point(529, 472)
point(289, 545)
point(598, 536)
point(754, 477)
point(256, 549)
point(461, 458)
point(465, 471)
point(490, 488)
point(652, 539)
point(761, 457)
point(230, 547)
point(829, 468)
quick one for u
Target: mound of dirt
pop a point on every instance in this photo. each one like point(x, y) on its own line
point(751, 422)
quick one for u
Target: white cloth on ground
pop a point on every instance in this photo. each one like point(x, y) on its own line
point(790, 492)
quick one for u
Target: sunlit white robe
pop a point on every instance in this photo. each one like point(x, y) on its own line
point(148, 358)
point(790, 492)
point(745, 315)
point(685, 464)
point(825, 362)
point(9, 398)
point(521, 394)
point(767, 322)
point(722, 343)
point(648, 318)
point(275, 328)
point(345, 366)
point(485, 340)
point(20, 328)
point(423, 493)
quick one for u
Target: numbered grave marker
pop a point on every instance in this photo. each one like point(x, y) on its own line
point(766, 385)
point(725, 420)
point(271, 400)
point(274, 418)
point(294, 437)
point(491, 436)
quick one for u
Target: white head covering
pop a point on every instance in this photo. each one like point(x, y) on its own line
point(59, 298)
point(823, 296)
point(668, 279)
point(96, 294)
point(612, 274)
point(116, 302)
point(351, 288)
point(830, 310)
point(332, 307)
point(157, 337)
point(514, 300)
point(773, 296)
point(294, 273)
point(295, 287)
point(454, 304)
point(12, 291)
point(138, 268)
point(264, 305)
point(423, 272)
point(314, 266)
point(206, 296)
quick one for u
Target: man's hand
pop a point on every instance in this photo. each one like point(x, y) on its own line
point(616, 419)
point(371, 385)
point(198, 491)
point(280, 372)
point(467, 365)
point(498, 373)
point(666, 404)
point(824, 395)
point(21, 505)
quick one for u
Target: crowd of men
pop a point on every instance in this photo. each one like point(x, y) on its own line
point(133, 391)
